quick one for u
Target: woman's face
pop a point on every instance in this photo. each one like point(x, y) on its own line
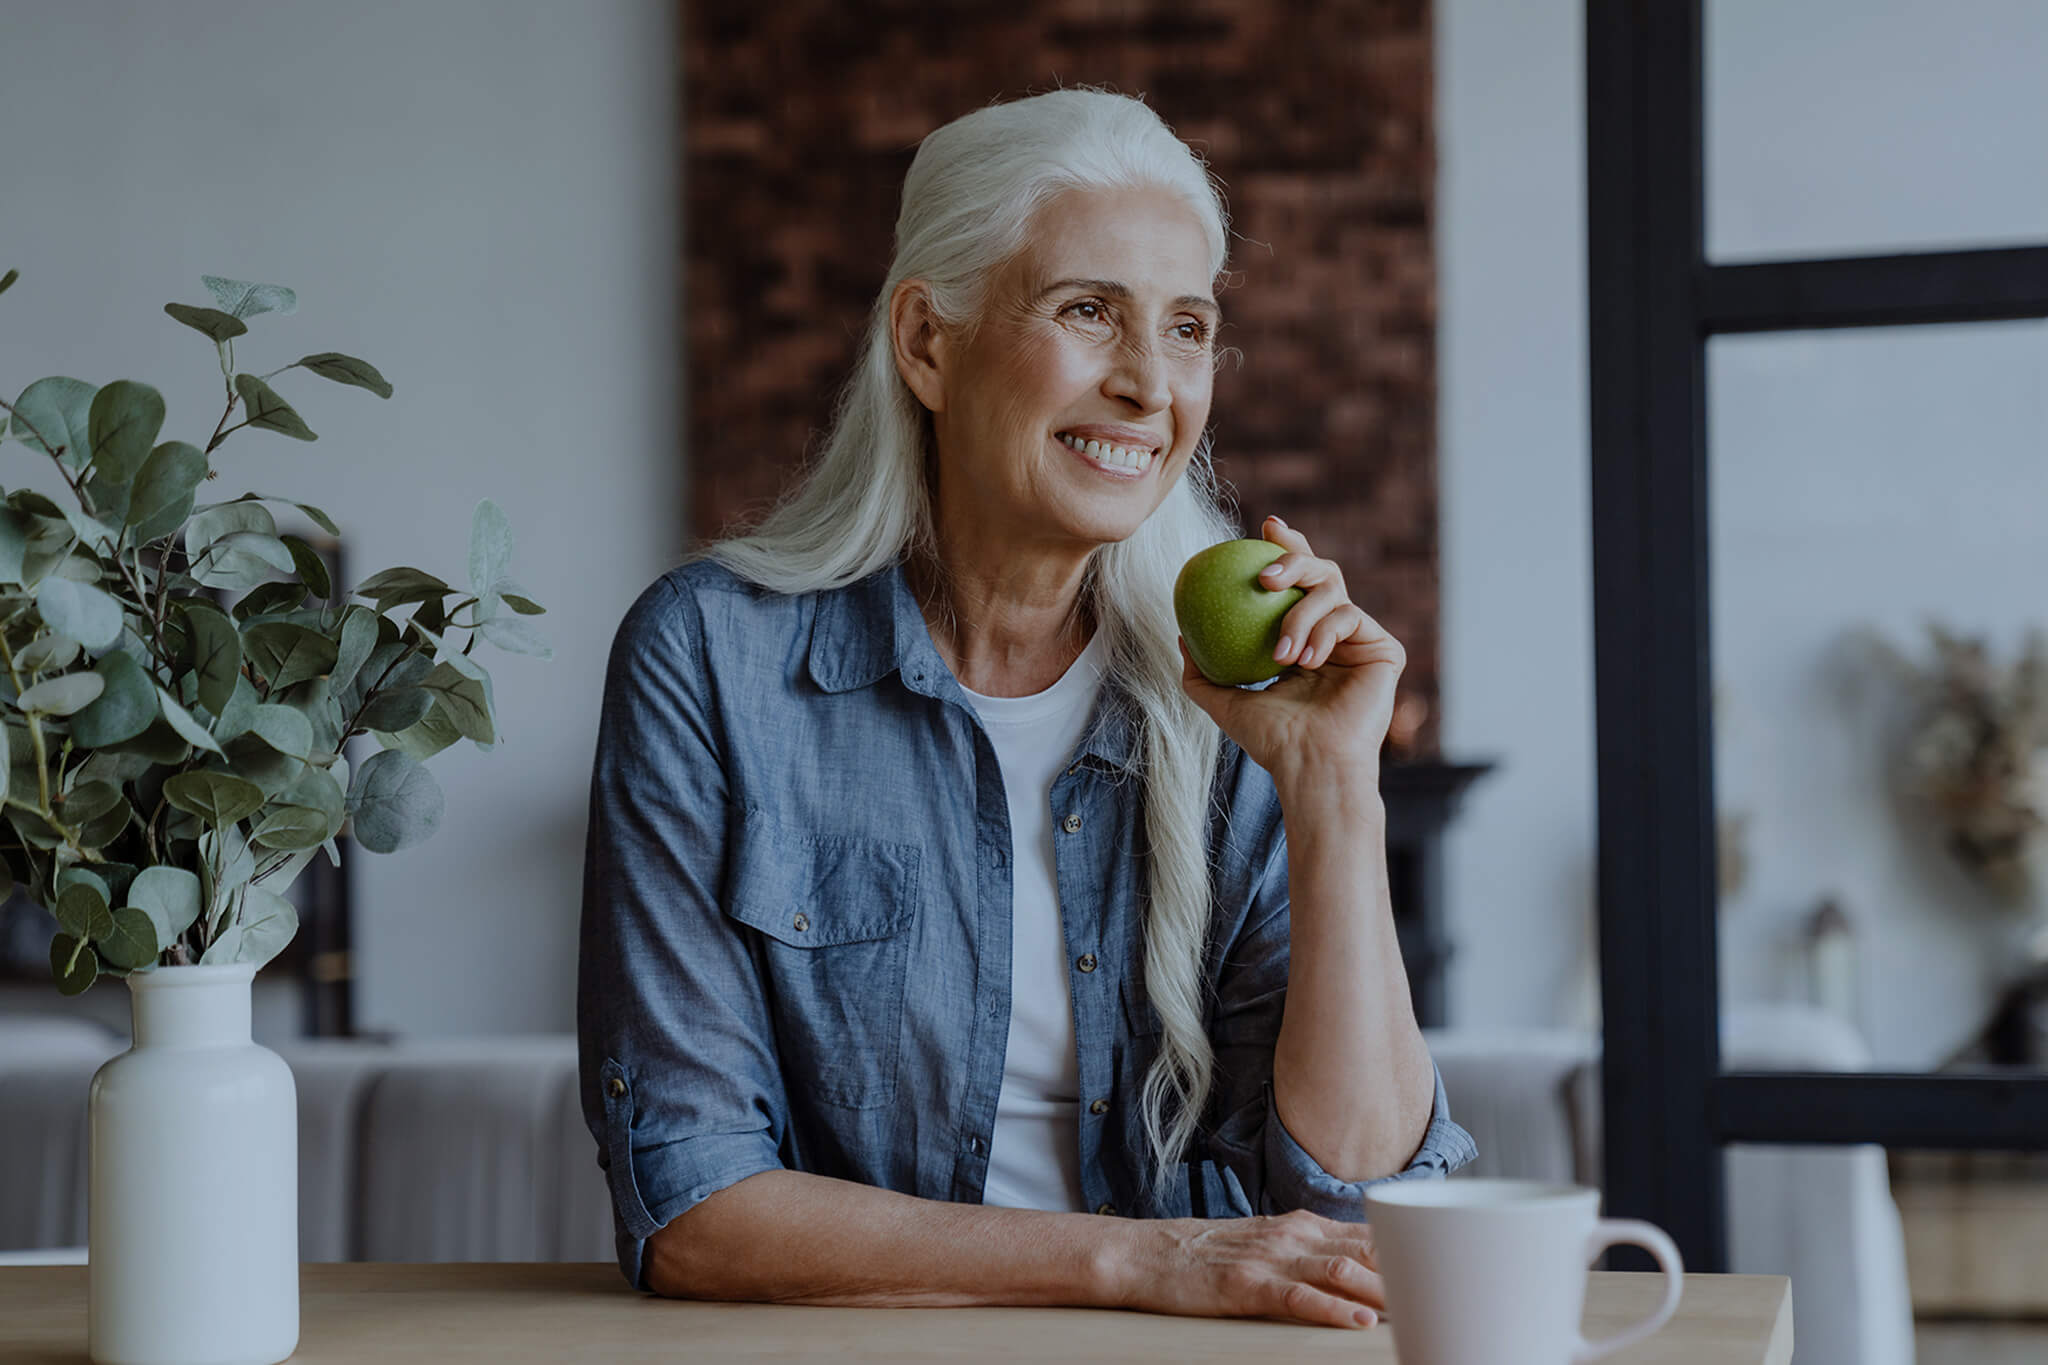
point(1102, 329)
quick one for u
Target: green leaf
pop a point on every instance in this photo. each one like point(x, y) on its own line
point(398, 709)
point(161, 498)
point(250, 759)
point(225, 948)
point(160, 743)
point(215, 798)
point(511, 634)
point(74, 966)
point(236, 716)
point(121, 712)
point(524, 606)
point(105, 828)
point(325, 522)
point(7, 280)
point(303, 816)
point(88, 801)
point(464, 701)
point(14, 529)
point(214, 323)
point(182, 721)
point(397, 587)
point(267, 924)
point(122, 424)
point(242, 559)
point(81, 911)
point(284, 654)
point(84, 613)
point(61, 696)
point(214, 650)
point(169, 896)
point(347, 370)
point(358, 639)
point(266, 599)
point(215, 520)
point(95, 534)
point(45, 653)
point(60, 410)
point(243, 299)
point(133, 942)
point(394, 802)
point(312, 568)
point(283, 728)
point(490, 547)
point(268, 411)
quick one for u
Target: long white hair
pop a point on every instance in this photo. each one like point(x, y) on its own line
point(968, 203)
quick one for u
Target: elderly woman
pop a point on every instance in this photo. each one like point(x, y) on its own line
point(936, 908)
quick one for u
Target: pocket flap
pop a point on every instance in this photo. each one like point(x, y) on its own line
point(817, 890)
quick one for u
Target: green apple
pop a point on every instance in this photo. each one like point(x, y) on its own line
point(1230, 621)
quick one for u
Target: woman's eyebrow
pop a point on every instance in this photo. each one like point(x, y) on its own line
point(1118, 290)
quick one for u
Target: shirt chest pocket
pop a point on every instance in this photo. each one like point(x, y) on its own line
point(834, 917)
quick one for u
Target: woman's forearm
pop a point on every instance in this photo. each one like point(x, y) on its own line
point(793, 1237)
point(1352, 1076)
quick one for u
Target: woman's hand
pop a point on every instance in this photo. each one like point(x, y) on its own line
point(1333, 707)
point(1299, 1267)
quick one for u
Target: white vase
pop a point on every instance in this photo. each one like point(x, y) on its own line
point(192, 1208)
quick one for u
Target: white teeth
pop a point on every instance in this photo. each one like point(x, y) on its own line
point(1110, 455)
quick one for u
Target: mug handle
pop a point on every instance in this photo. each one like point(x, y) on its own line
point(1610, 1232)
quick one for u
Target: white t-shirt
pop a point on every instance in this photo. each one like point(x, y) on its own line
point(1035, 1152)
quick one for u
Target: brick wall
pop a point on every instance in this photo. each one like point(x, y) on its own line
point(801, 119)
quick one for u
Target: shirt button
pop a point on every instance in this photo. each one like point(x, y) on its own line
point(1072, 824)
point(1107, 1209)
point(1099, 1107)
point(617, 1087)
point(974, 1145)
point(803, 922)
point(1087, 962)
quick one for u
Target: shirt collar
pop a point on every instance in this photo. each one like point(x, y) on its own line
point(871, 628)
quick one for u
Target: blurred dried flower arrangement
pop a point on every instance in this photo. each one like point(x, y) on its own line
point(1970, 754)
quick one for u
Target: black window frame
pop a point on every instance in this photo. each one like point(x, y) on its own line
point(1654, 302)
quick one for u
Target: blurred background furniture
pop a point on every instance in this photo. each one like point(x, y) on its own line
point(474, 1149)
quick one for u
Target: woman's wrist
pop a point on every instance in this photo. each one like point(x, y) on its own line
point(1319, 787)
point(1125, 1260)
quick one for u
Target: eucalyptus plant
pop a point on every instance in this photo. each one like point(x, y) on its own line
point(172, 764)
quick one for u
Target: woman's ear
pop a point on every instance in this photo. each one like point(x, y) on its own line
point(920, 344)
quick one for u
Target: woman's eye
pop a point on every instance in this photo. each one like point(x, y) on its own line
point(1195, 331)
point(1086, 303)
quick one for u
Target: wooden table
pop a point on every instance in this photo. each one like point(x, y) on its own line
point(523, 1311)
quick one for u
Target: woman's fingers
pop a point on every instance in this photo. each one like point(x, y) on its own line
point(1325, 596)
point(1300, 1301)
point(1280, 533)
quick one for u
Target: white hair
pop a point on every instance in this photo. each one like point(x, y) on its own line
point(863, 505)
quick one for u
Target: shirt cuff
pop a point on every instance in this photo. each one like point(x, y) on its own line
point(1295, 1180)
point(661, 1182)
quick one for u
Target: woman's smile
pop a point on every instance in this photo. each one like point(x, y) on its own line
point(1115, 462)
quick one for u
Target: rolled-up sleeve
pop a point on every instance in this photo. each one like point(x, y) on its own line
point(679, 1078)
point(1276, 1173)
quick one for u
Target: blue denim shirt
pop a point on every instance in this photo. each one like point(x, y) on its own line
point(795, 941)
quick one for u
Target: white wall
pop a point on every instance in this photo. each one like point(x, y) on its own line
point(1516, 542)
point(479, 197)
point(1871, 477)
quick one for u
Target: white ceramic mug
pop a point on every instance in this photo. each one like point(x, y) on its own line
point(1478, 1272)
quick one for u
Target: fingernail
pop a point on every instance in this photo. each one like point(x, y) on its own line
point(1364, 1317)
point(1270, 571)
point(1285, 645)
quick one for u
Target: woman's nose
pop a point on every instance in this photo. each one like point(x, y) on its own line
point(1140, 375)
